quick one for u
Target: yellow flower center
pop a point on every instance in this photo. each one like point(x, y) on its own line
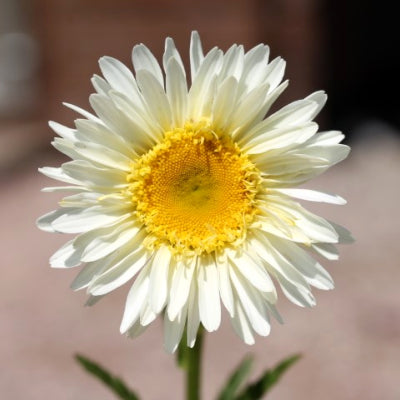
point(194, 191)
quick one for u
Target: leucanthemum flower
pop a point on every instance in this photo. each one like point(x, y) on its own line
point(190, 192)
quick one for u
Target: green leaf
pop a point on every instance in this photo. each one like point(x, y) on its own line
point(268, 379)
point(113, 382)
point(236, 380)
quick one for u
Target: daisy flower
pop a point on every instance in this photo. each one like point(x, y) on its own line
point(191, 191)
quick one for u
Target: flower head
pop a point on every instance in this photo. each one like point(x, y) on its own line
point(191, 190)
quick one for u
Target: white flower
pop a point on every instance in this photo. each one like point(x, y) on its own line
point(192, 191)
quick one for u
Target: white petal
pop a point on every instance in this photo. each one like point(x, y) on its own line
point(159, 279)
point(103, 155)
point(58, 174)
point(241, 325)
point(320, 98)
point(170, 51)
point(52, 189)
point(201, 94)
point(94, 153)
point(265, 106)
point(147, 315)
point(268, 216)
point(311, 270)
point(209, 303)
point(274, 72)
point(82, 199)
point(252, 304)
point(99, 243)
point(113, 118)
point(273, 311)
point(83, 112)
point(233, 63)
point(315, 227)
point(66, 256)
point(196, 54)
point(144, 60)
point(144, 130)
point(327, 250)
point(296, 113)
point(253, 272)
point(155, 97)
point(193, 319)
point(276, 263)
point(296, 294)
point(66, 147)
point(180, 287)
point(329, 138)
point(249, 108)
point(62, 130)
point(225, 288)
point(87, 273)
point(173, 331)
point(119, 76)
point(225, 103)
point(292, 283)
point(45, 221)
point(284, 164)
point(85, 172)
point(313, 195)
point(100, 85)
point(293, 178)
point(176, 88)
point(329, 155)
point(277, 224)
point(283, 139)
point(93, 132)
point(136, 299)
point(246, 132)
point(82, 220)
point(254, 70)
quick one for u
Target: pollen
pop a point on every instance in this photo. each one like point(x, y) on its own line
point(194, 191)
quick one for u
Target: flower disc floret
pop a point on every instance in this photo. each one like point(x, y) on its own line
point(194, 191)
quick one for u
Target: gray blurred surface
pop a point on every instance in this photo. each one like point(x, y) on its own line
point(350, 341)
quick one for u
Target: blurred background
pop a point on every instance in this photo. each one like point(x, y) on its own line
point(350, 341)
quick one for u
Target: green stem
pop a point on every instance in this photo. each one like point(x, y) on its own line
point(193, 369)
